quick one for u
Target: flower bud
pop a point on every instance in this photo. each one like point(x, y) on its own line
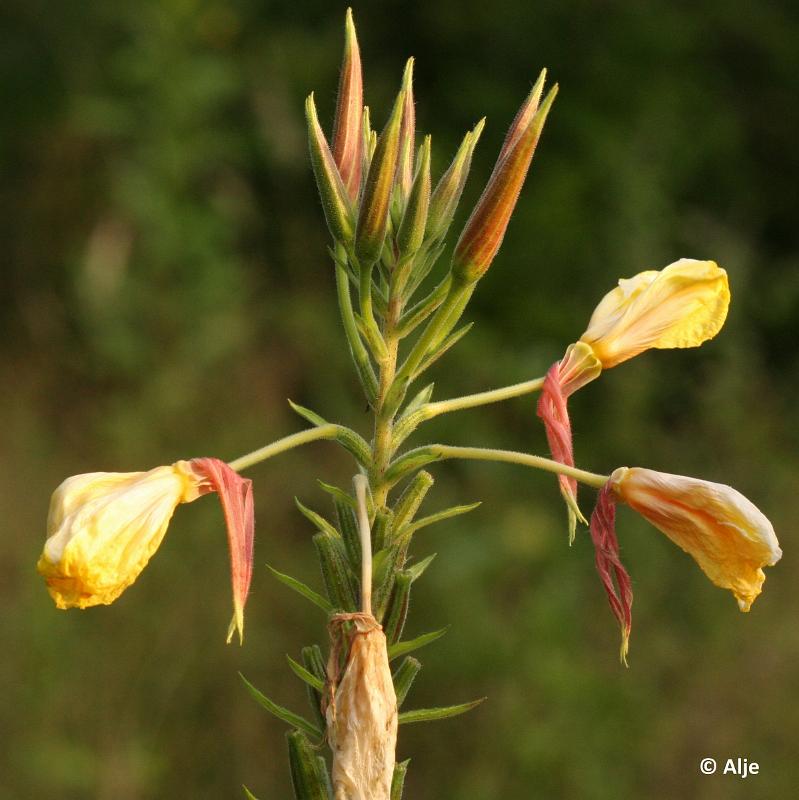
point(370, 232)
point(103, 528)
point(682, 305)
point(411, 231)
point(485, 229)
point(447, 194)
point(335, 201)
point(347, 127)
point(407, 135)
point(726, 534)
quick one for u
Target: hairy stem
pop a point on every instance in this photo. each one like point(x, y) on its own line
point(329, 431)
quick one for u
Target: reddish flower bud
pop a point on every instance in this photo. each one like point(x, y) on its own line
point(407, 135)
point(483, 234)
point(347, 127)
point(370, 232)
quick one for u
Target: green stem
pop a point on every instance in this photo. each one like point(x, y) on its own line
point(406, 426)
point(423, 344)
point(439, 452)
point(372, 330)
point(329, 431)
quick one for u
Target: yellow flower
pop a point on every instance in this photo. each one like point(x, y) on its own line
point(103, 527)
point(727, 535)
point(681, 305)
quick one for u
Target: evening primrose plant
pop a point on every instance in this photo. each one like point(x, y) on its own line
point(401, 311)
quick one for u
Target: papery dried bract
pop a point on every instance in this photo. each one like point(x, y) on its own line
point(362, 719)
point(682, 305)
point(727, 535)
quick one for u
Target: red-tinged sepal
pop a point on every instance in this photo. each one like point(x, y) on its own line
point(614, 576)
point(235, 495)
point(554, 413)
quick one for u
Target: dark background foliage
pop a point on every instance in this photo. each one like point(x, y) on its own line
point(166, 287)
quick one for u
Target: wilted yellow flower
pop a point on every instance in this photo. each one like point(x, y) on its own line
point(728, 536)
point(362, 717)
point(681, 305)
point(103, 528)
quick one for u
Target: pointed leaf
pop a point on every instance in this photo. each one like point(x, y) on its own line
point(248, 794)
point(282, 713)
point(306, 413)
point(304, 675)
point(408, 646)
point(410, 500)
point(431, 714)
point(404, 677)
point(398, 779)
point(337, 494)
point(316, 519)
point(415, 572)
point(423, 522)
point(304, 590)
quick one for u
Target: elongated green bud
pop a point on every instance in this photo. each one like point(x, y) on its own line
point(347, 127)
point(483, 234)
point(335, 202)
point(447, 194)
point(407, 134)
point(397, 610)
point(370, 232)
point(315, 664)
point(307, 779)
point(411, 232)
point(349, 531)
point(410, 500)
point(340, 583)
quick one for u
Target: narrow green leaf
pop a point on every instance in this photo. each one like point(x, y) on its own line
point(404, 676)
point(449, 342)
point(409, 501)
point(248, 794)
point(398, 779)
point(401, 648)
point(304, 675)
point(337, 494)
point(423, 522)
point(302, 589)
point(315, 664)
point(420, 399)
point(397, 609)
point(430, 714)
point(316, 519)
point(282, 713)
point(307, 414)
point(418, 569)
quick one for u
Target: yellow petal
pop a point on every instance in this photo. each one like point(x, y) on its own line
point(728, 536)
point(681, 305)
point(103, 527)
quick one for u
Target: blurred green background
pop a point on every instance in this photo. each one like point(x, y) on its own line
point(166, 288)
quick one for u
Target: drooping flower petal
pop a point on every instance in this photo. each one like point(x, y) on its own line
point(564, 377)
point(614, 576)
point(235, 495)
point(727, 535)
point(103, 527)
point(682, 305)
